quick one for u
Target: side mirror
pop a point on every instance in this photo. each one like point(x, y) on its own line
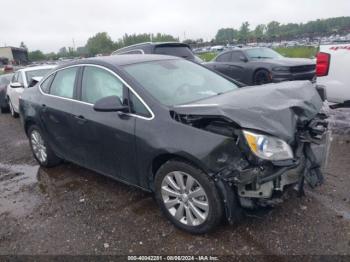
point(110, 104)
point(16, 85)
point(244, 59)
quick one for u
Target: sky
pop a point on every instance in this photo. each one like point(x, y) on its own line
point(51, 24)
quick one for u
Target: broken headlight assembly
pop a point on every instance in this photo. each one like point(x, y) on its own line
point(268, 147)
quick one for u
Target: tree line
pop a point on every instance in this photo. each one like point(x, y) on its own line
point(276, 31)
point(101, 43)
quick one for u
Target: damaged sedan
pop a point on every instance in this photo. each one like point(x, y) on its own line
point(205, 146)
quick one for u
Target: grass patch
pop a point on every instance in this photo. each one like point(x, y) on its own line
point(207, 56)
point(301, 52)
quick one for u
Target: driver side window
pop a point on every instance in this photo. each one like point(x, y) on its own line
point(99, 83)
point(236, 56)
point(226, 57)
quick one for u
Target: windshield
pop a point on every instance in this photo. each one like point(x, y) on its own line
point(36, 73)
point(180, 51)
point(256, 53)
point(174, 82)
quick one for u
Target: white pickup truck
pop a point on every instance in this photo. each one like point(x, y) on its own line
point(333, 71)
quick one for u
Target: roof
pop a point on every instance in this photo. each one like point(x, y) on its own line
point(120, 60)
point(33, 68)
point(150, 43)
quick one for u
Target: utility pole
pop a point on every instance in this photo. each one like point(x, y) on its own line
point(73, 44)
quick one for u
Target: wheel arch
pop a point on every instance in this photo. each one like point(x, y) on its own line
point(257, 69)
point(161, 159)
point(28, 123)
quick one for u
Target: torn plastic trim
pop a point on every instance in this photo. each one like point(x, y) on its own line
point(306, 164)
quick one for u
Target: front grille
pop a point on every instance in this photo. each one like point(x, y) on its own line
point(304, 68)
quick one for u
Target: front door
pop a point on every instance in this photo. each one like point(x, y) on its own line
point(107, 138)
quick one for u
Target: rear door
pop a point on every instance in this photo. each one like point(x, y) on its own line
point(222, 63)
point(14, 93)
point(56, 113)
point(107, 138)
point(18, 91)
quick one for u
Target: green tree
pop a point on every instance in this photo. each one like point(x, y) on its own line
point(100, 43)
point(226, 35)
point(259, 32)
point(244, 32)
point(36, 55)
point(164, 38)
point(273, 30)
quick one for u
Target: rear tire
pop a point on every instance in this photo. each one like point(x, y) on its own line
point(196, 206)
point(4, 109)
point(261, 77)
point(41, 149)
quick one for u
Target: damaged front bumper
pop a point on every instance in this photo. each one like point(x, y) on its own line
point(263, 184)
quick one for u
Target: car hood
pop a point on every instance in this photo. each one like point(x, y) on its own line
point(285, 61)
point(274, 108)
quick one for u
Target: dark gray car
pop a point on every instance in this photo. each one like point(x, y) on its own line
point(256, 66)
point(204, 146)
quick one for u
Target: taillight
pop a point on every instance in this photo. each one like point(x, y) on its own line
point(322, 64)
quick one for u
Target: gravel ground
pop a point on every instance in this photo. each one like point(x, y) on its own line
point(71, 210)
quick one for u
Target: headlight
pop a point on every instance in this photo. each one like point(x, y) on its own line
point(268, 147)
point(280, 69)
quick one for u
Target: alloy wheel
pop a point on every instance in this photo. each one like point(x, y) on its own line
point(38, 146)
point(184, 198)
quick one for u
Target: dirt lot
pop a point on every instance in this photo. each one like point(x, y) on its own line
point(70, 210)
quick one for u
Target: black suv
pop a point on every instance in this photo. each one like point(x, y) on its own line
point(160, 48)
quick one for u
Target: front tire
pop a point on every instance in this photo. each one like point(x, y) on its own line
point(188, 197)
point(262, 77)
point(41, 149)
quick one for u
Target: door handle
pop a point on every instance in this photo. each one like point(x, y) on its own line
point(81, 119)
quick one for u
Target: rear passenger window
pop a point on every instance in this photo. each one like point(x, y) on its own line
point(224, 57)
point(63, 83)
point(45, 86)
point(99, 83)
